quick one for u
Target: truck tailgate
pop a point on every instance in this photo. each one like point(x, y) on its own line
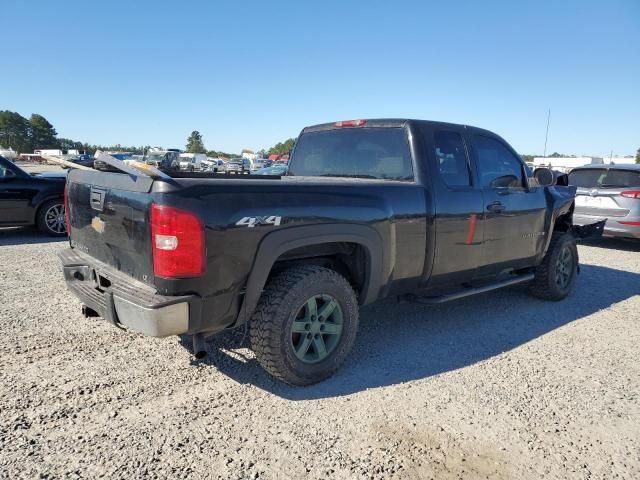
point(109, 216)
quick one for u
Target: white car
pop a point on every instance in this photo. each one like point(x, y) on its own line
point(191, 162)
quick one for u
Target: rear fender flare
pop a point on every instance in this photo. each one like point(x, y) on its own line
point(279, 242)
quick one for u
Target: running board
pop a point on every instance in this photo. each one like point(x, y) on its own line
point(470, 291)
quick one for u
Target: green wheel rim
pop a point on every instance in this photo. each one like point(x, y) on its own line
point(564, 267)
point(317, 328)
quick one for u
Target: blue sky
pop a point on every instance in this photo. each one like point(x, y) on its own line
point(252, 73)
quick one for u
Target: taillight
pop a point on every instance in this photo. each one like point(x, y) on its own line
point(631, 194)
point(351, 123)
point(629, 222)
point(177, 242)
point(66, 208)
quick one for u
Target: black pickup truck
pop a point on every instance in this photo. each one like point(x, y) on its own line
point(419, 210)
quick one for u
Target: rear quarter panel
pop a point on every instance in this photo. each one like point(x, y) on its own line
point(395, 210)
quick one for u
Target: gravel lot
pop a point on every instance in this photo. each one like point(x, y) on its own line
point(498, 386)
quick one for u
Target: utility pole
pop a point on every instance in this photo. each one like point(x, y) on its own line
point(546, 136)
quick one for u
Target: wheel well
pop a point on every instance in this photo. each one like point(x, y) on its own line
point(351, 260)
point(564, 222)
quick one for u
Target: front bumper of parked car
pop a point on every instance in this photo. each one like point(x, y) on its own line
point(627, 227)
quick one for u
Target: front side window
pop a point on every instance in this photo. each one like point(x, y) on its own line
point(6, 173)
point(452, 158)
point(381, 153)
point(498, 167)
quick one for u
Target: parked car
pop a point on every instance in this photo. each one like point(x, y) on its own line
point(245, 164)
point(215, 165)
point(84, 160)
point(273, 170)
point(100, 165)
point(235, 165)
point(611, 193)
point(424, 211)
point(165, 160)
point(32, 199)
point(219, 166)
point(261, 163)
point(191, 162)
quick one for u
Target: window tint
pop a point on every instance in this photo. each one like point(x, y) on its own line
point(601, 178)
point(452, 158)
point(354, 152)
point(497, 165)
point(5, 173)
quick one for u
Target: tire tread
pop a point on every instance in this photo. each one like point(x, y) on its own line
point(266, 329)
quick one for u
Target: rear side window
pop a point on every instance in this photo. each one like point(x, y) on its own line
point(601, 178)
point(355, 152)
point(452, 158)
point(498, 167)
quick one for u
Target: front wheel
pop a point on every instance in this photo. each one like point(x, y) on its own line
point(555, 277)
point(305, 324)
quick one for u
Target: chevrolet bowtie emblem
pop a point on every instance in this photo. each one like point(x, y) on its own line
point(97, 224)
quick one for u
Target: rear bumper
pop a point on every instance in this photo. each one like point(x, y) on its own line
point(125, 302)
point(612, 228)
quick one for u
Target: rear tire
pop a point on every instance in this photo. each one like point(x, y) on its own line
point(555, 277)
point(290, 336)
point(50, 218)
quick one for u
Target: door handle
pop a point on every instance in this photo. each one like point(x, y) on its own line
point(495, 207)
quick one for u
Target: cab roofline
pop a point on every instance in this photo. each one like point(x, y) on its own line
point(375, 123)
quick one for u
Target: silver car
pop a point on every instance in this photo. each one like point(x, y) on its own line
point(233, 166)
point(610, 192)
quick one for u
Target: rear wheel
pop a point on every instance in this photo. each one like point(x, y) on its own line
point(50, 218)
point(305, 324)
point(555, 277)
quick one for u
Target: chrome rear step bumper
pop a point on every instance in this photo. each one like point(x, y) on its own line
point(124, 301)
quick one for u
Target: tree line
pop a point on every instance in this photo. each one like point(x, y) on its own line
point(36, 132)
point(25, 135)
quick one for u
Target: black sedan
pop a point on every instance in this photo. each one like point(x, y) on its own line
point(32, 199)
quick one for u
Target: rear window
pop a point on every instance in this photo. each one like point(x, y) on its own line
point(600, 178)
point(381, 153)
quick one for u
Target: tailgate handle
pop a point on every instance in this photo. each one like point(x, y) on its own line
point(96, 198)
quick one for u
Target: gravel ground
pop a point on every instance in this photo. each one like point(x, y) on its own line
point(496, 386)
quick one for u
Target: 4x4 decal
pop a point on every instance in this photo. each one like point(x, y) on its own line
point(254, 221)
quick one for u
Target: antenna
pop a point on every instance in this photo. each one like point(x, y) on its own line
point(546, 134)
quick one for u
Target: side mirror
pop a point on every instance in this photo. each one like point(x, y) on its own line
point(544, 176)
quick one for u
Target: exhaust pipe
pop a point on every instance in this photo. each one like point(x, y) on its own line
point(199, 346)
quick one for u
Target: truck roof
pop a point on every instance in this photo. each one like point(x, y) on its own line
point(377, 122)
